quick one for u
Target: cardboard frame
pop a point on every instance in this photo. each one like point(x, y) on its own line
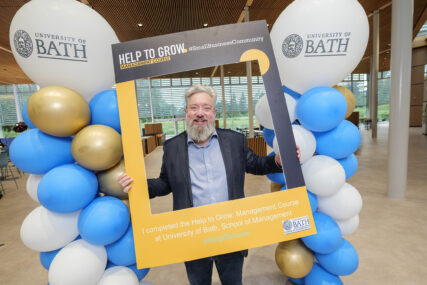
point(229, 226)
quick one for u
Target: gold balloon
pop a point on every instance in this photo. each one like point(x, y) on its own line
point(58, 111)
point(349, 97)
point(294, 259)
point(274, 187)
point(97, 147)
point(108, 183)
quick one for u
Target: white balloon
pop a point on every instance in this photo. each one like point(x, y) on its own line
point(43, 230)
point(78, 263)
point(348, 226)
point(343, 204)
point(323, 175)
point(65, 43)
point(263, 113)
point(318, 43)
point(118, 275)
point(32, 185)
point(304, 139)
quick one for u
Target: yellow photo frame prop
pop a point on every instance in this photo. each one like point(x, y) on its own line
point(225, 227)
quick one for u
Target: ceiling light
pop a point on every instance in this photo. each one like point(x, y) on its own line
point(205, 24)
point(139, 24)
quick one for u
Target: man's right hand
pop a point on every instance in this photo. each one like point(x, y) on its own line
point(125, 181)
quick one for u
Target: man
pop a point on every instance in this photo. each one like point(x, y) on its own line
point(202, 166)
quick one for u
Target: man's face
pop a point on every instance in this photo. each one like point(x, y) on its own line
point(200, 112)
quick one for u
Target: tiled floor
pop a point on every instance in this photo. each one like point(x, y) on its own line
point(390, 239)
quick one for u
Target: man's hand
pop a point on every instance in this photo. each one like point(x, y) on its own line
point(279, 161)
point(125, 181)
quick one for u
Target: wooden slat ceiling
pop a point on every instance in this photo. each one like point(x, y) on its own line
point(169, 16)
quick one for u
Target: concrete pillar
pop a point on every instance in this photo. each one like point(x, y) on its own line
point(373, 92)
point(151, 100)
point(401, 47)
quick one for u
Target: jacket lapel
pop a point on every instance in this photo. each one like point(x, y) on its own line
point(185, 170)
point(224, 145)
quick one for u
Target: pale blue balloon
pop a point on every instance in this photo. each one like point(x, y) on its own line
point(328, 237)
point(342, 261)
point(67, 188)
point(36, 152)
point(321, 109)
point(350, 165)
point(319, 276)
point(339, 142)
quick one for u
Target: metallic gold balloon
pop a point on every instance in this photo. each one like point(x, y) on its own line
point(97, 147)
point(349, 97)
point(58, 111)
point(294, 259)
point(274, 187)
point(107, 181)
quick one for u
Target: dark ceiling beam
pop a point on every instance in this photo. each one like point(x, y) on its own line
point(381, 8)
point(420, 22)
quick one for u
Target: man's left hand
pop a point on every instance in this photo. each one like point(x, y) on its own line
point(279, 161)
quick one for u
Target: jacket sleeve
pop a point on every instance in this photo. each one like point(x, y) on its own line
point(159, 186)
point(259, 165)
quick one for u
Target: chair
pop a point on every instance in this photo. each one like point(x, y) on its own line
point(5, 169)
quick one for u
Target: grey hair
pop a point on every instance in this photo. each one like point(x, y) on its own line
point(200, 88)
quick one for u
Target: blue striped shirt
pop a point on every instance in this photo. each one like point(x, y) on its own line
point(207, 172)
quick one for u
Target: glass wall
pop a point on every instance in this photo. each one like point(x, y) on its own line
point(358, 84)
point(168, 99)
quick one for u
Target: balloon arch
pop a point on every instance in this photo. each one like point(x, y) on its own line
point(74, 154)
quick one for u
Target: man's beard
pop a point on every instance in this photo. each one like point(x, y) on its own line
point(199, 133)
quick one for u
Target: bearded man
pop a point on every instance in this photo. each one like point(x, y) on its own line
point(204, 165)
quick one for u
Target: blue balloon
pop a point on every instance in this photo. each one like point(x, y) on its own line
point(339, 142)
point(313, 201)
point(47, 257)
point(277, 178)
point(349, 164)
point(26, 117)
point(140, 273)
point(319, 276)
point(297, 281)
point(342, 261)
point(104, 221)
point(268, 136)
point(67, 188)
point(291, 92)
point(36, 152)
point(122, 252)
point(328, 237)
point(321, 109)
point(104, 109)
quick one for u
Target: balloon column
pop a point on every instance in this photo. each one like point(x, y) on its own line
point(317, 44)
point(73, 150)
